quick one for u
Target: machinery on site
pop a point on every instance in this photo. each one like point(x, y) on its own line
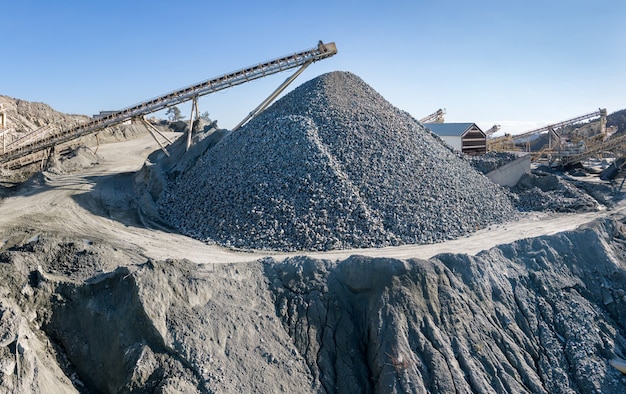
point(566, 141)
point(49, 140)
point(435, 117)
point(494, 129)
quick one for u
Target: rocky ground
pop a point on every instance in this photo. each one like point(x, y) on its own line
point(98, 295)
point(26, 116)
point(539, 315)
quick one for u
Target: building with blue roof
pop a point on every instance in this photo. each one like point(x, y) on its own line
point(463, 137)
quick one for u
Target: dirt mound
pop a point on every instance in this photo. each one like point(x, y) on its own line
point(542, 315)
point(24, 116)
point(174, 326)
point(331, 165)
point(73, 160)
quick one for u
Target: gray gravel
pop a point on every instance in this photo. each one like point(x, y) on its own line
point(551, 193)
point(331, 165)
point(491, 161)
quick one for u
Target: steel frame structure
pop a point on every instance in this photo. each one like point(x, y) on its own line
point(550, 128)
point(321, 51)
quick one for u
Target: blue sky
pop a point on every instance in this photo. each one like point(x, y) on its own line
point(517, 63)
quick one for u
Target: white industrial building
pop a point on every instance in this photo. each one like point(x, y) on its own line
point(464, 137)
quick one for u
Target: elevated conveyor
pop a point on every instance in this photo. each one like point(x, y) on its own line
point(494, 143)
point(435, 117)
point(607, 145)
point(321, 51)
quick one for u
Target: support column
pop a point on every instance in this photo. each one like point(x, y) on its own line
point(152, 131)
point(272, 96)
point(194, 111)
point(3, 121)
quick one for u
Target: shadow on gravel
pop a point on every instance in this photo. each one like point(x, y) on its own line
point(113, 197)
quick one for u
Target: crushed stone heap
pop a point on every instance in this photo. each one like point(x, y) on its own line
point(331, 165)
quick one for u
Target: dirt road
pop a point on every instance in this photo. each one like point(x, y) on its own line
point(97, 203)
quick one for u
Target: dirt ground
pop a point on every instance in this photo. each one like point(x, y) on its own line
point(95, 201)
point(96, 298)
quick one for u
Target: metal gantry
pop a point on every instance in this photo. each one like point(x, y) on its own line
point(607, 145)
point(493, 142)
point(435, 117)
point(321, 51)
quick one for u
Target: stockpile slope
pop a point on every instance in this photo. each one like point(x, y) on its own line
point(331, 165)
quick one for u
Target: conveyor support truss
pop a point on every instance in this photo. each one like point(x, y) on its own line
point(321, 51)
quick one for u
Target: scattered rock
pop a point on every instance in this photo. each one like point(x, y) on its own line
point(551, 193)
point(490, 161)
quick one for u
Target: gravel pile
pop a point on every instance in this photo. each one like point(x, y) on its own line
point(551, 193)
point(491, 161)
point(331, 165)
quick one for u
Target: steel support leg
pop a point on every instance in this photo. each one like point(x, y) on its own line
point(194, 111)
point(272, 96)
point(150, 129)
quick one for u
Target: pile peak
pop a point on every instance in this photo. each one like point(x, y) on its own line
point(331, 165)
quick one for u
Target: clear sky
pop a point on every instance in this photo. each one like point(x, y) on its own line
point(518, 63)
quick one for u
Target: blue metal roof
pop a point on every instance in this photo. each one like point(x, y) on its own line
point(449, 129)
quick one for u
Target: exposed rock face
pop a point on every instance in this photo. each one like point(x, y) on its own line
point(539, 316)
point(170, 326)
point(331, 165)
point(26, 363)
point(24, 116)
point(542, 315)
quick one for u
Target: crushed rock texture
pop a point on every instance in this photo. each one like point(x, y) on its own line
point(552, 193)
point(331, 165)
point(490, 161)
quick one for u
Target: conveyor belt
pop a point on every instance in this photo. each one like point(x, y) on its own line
point(321, 51)
point(604, 146)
